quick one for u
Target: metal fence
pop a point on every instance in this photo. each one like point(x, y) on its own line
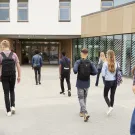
point(123, 46)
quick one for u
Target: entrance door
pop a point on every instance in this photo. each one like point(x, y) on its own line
point(48, 50)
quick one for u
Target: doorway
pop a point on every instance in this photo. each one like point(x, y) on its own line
point(48, 50)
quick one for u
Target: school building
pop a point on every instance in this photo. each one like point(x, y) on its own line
point(47, 25)
point(113, 28)
point(53, 26)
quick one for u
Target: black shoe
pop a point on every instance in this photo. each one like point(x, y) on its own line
point(40, 83)
point(36, 83)
point(69, 93)
point(96, 85)
point(62, 93)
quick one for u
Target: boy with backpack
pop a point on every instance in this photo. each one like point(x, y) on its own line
point(9, 62)
point(84, 68)
point(64, 73)
point(37, 63)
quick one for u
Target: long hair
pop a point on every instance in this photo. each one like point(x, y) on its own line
point(102, 56)
point(111, 61)
point(133, 71)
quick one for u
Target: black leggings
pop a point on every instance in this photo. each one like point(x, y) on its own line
point(110, 85)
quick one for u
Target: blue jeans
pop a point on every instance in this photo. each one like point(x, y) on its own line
point(132, 128)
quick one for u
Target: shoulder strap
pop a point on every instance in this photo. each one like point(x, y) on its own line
point(10, 55)
point(3, 55)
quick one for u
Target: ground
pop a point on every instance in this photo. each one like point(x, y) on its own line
point(41, 110)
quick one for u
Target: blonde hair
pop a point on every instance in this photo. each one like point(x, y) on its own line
point(102, 56)
point(5, 44)
point(111, 61)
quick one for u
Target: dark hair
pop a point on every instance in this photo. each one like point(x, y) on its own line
point(63, 53)
point(84, 50)
point(36, 51)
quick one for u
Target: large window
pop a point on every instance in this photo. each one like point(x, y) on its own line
point(22, 10)
point(65, 10)
point(4, 10)
point(106, 4)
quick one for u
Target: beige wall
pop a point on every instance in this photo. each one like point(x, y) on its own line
point(114, 21)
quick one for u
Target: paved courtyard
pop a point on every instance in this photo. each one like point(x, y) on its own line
point(41, 110)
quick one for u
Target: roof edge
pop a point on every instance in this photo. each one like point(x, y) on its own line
point(126, 4)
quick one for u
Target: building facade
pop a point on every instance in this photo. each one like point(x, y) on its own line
point(106, 4)
point(111, 29)
point(47, 25)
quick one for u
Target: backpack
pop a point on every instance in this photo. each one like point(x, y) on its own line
point(8, 65)
point(36, 63)
point(84, 70)
point(118, 76)
point(65, 66)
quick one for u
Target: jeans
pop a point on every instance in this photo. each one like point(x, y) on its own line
point(110, 85)
point(98, 75)
point(37, 74)
point(8, 84)
point(132, 127)
point(82, 96)
point(67, 77)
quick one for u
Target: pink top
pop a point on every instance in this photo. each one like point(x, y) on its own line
point(15, 57)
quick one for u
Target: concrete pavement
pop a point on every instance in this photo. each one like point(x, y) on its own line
point(41, 110)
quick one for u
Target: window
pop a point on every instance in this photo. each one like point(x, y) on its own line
point(65, 11)
point(22, 11)
point(106, 4)
point(4, 10)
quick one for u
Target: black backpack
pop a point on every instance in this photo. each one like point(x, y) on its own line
point(65, 66)
point(84, 70)
point(8, 65)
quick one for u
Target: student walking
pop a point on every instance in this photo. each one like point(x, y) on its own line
point(109, 73)
point(84, 68)
point(64, 73)
point(37, 63)
point(102, 59)
point(9, 62)
point(132, 127)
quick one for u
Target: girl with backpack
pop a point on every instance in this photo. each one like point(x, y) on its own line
point(109, 72)
point(102, 59)
point(132, 127)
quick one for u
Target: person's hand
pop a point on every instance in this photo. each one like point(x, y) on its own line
point(18, 80)
point(133, 88)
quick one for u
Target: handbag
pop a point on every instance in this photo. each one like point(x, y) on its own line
point(118, 76)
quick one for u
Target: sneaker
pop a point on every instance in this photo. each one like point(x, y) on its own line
point(86, 117)
point(81, 114)
point(69, 93)
point(110, 110)
point(9, 114)
point(13, 110)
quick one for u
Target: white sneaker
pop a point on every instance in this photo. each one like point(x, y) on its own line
point(110, 110)
point(13, 110)
point(9, 114)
